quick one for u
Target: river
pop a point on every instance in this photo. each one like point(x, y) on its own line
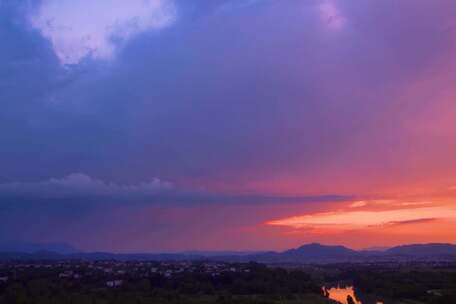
point(341, 294)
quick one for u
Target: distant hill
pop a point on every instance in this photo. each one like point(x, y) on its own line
point(306, 254)
point(93, 256)
point(317, 253)
point(316, 250)
point(24, 247)
point(436, 249)
point(379, 248)
point(219, 253)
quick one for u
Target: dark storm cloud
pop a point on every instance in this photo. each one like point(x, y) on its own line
point(186, 103)
point(37, 139)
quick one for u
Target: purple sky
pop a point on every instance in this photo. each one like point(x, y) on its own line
point(150, 125)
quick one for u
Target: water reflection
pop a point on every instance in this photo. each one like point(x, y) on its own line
point(342, 294)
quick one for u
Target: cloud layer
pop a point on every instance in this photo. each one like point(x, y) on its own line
point(78, 186)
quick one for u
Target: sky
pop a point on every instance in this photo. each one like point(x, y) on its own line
point(170, 125)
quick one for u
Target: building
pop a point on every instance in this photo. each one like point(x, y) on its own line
point(114, 283)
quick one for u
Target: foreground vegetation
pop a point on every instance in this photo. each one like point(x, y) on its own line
point(225, 283)
point(437, 286)
point(256, 284)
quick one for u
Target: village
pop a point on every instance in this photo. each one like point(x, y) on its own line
point(114, 272)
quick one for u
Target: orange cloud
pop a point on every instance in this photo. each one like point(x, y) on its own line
point(397, 212)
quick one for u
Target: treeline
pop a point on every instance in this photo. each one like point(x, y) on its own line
point(259, 285)
point(437, 286)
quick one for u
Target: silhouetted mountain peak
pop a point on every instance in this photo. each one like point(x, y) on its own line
point(316, 250)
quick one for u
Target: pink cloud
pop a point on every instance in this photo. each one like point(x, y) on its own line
point(331, 15)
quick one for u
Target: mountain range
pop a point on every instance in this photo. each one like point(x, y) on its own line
point(309, 253)
point(24, 247)
point(317, 253)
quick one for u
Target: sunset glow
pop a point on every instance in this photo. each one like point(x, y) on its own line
point(349, 219)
